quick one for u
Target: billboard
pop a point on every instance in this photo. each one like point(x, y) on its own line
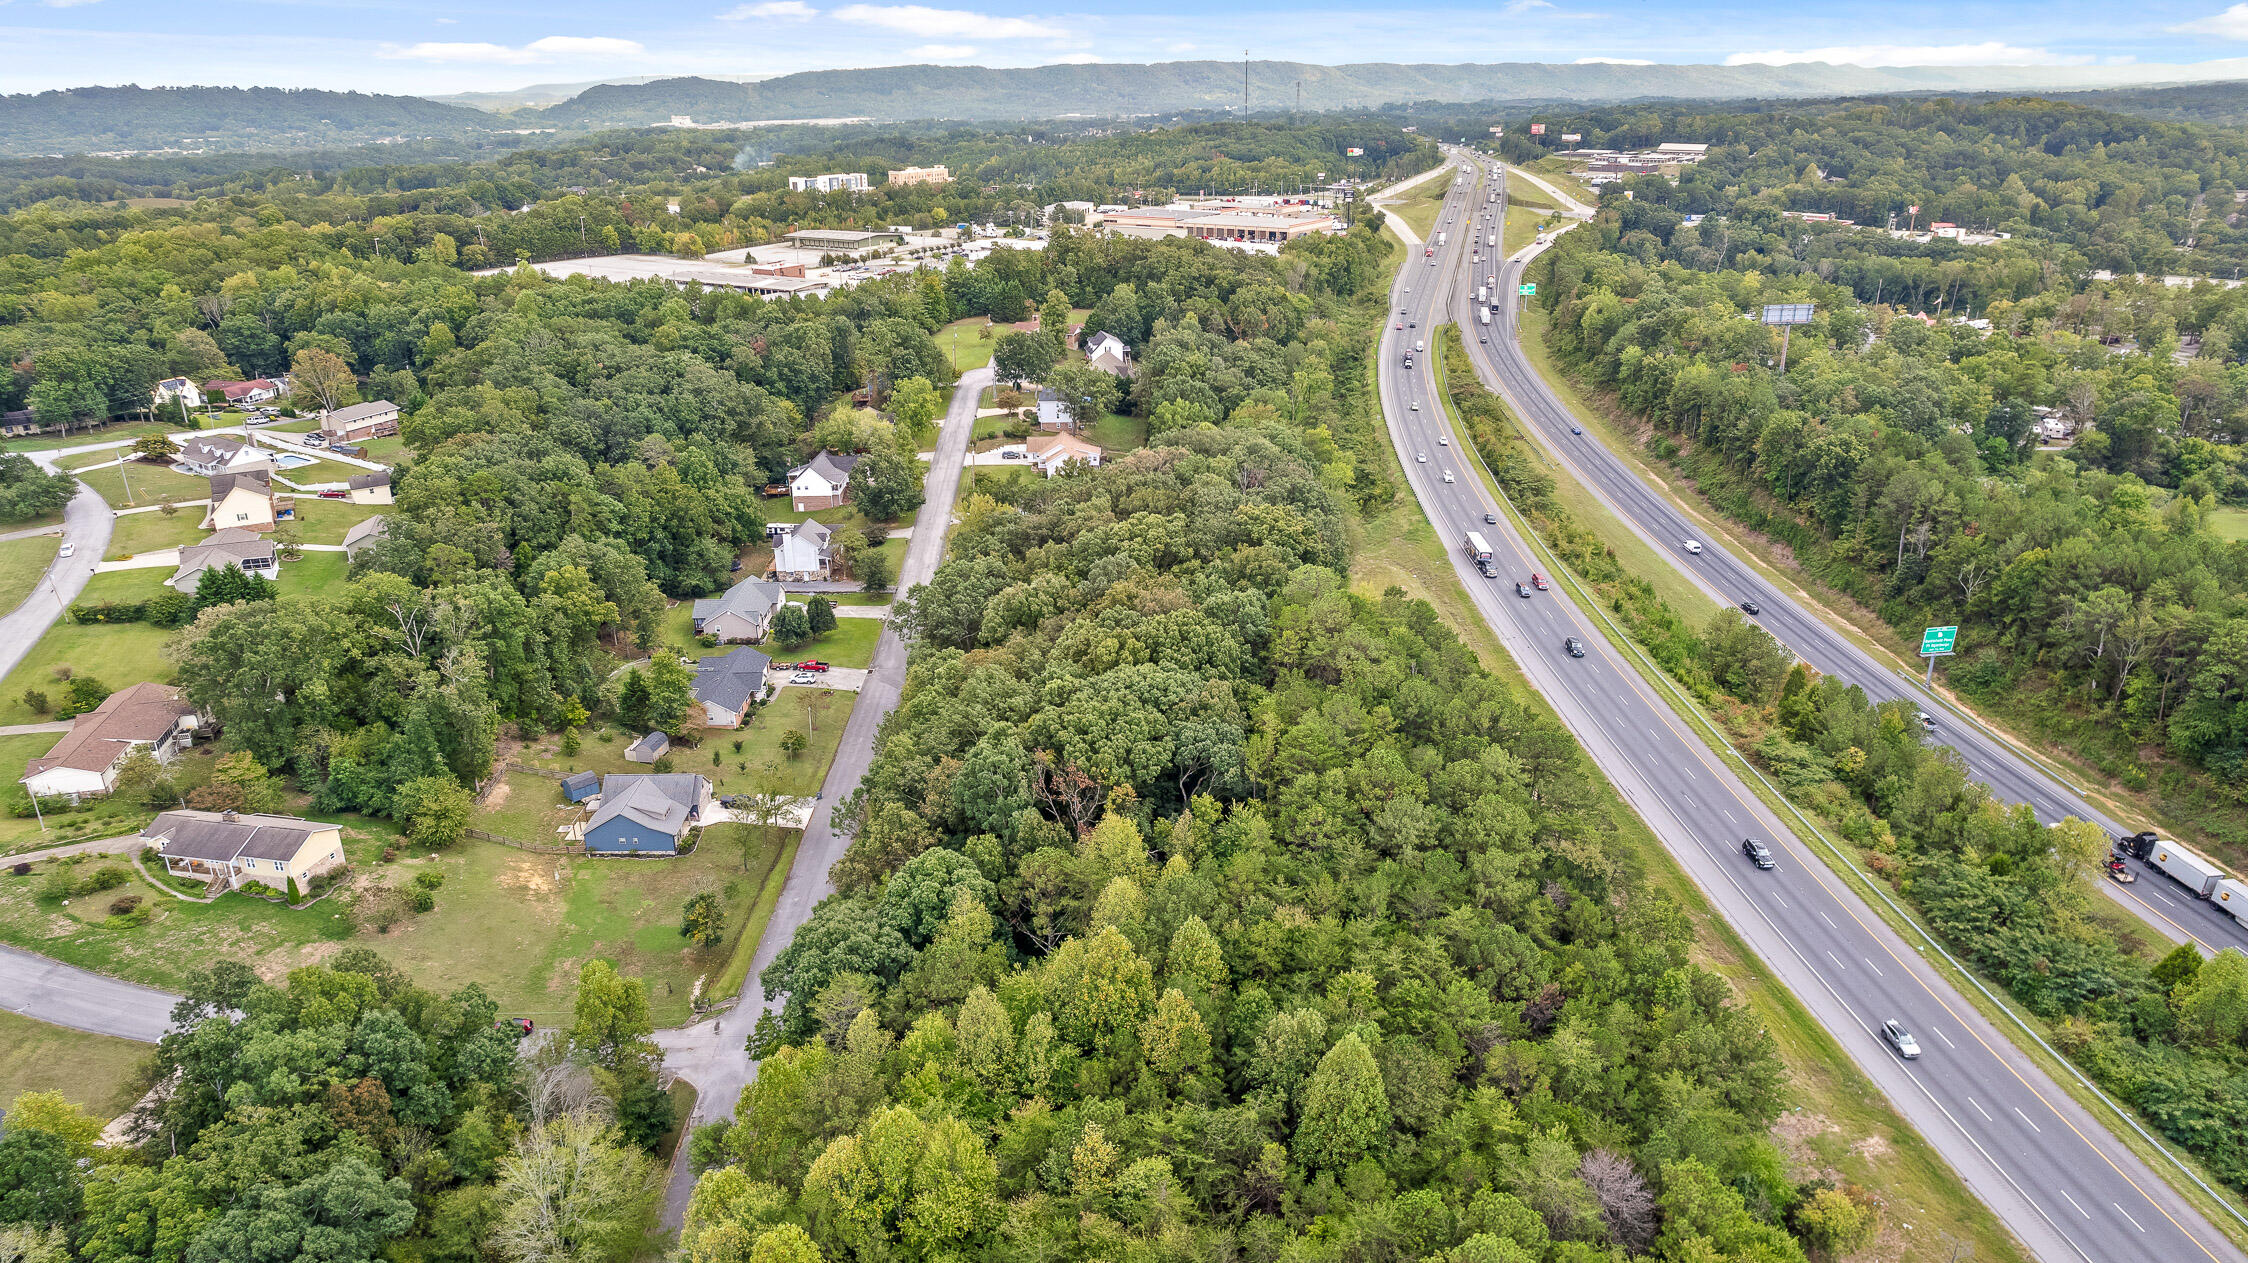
point(1787, 313)
point(1355, 152)
point(1572, 137)
point(1537, 129)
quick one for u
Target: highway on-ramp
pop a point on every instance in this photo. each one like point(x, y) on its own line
point(2163, 904)
point(2051, 1171)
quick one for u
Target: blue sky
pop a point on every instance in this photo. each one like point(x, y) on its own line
point(421, 46)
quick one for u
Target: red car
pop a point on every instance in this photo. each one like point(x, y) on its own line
point(1537, 581)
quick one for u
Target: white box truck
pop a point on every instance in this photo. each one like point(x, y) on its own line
point(1491, 240)
point(2187, 869)
point(1483, 293)
point(1484, 315)
point(2232, 895)
point(1479, 552)
point(1440, 238)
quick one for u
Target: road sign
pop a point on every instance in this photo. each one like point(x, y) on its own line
point(1526, 289)
point(1937, 640)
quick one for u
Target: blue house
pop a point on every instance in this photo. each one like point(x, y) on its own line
point(646, 814)
point(580, 787)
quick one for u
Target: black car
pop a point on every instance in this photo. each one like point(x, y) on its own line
point(1490, 519)
point(1758, 853)
point(1575, 647)
point(1751, 608)
point(1522, 589)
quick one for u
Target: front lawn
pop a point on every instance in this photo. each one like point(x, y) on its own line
point(23, 562)
point(117, 654)
point(150, 484)
point(383, 451)
point(132, 534)
point(99, 1073)
point(964, 343)
point(314, 572)
point(325, 521)
point(125, 586)
point(760, 765)
point(851, 644)
point(1118, 433)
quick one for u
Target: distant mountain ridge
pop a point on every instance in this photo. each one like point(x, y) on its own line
point(128, 118)
point(1106, 90)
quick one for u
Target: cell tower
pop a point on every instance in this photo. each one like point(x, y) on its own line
point(1244, 83)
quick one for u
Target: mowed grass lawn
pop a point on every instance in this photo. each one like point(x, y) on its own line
point(964, 343)
point(117, 654)
point(313, 572)
point(325, 521)
point(759, 766)
point(117, 586)
point(150, 484)
point(851, 644)
point(22, 563)
point(98, 1073)
point(132, 534)
point(81, 438)
point(2230, 524)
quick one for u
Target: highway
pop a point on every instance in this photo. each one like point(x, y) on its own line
point(2163, 904)
point(2053, 1173)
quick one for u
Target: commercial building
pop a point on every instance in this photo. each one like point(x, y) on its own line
point(835, 182)
point(843, 240)
point(1259, 227)
point(920, 175)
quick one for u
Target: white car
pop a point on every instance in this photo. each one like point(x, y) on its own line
point(67, 550)
point(1416, 405)
point(1900, 1039)
point(1694, 546)
point(1420, 458)
point(1443, 440)
point(1447, 475)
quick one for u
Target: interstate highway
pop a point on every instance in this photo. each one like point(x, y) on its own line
point(2052, 1172)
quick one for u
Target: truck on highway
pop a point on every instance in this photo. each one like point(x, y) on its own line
point(1491, 241)
point(1440, 237)
point(1484, 315)
point(2179, 864)
point(2232, 895)
point(1479, 552)
point(1483, 293)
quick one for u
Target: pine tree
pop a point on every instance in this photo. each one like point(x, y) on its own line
point(632, 701)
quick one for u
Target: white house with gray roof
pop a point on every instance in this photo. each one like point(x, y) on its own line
point(801, 551)
point(207, 455)
point(823, 482)
point(743, 614)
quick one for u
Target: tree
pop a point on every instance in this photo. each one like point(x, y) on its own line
point(1023, 357)
point(1627, 1205)
point(671, 694)
point(324, 376)
point(821, 612)
point(609, 1019)
point(435, 811)
point(39, 1180)
point(704, 923)
point(1345, 1107)
point(344, 1214)
point(155, 448)
point(874, 572)
point(768, 812)
point(915, 405)
point(886, 484)
point(82, 695)
point(1087, 392)
point(572, 1194)
point(229, 584)
point(632, 701)
point(791, 626)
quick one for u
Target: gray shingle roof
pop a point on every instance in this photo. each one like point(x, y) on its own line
point(380, 478)
point(731, 681)
point(656, 800)
point(361, 411)
point(752, 598)
point(833, 466)
point(210, 836)
point(256, 480)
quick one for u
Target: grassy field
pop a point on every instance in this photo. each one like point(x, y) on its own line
point(760, 765)
point(80, 438)
point(99, 1073)
point(314, 572)
point(126, 585)
point(1118, 433)
point(325, 521)
point(22, 563)
point(1521, 229)
point(117, 654)
point(150, 484)
point(988, 478)
point(132, 534)
point(851, 644)
point(386, 451)
point(1420, 205)
point(963, 343)
point(2232, 524)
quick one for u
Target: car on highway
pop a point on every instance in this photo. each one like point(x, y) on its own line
point(1538, 581)
point(1925, 719)
point(1751, 608)
point(1900, 1039)
point(1443, 440)
point(1412, 324)
point(1522, 590)
point(1447, 477)
point(1490, 519)
point(1400, 324)
point(1420, 458)
point(1694, 546)
point(1758, 853)
point(1576, 429)
point(67, 550)
point(1484, 338)
point(1574, 646)
point(1416, 405)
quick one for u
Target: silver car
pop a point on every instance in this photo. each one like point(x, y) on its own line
point(1900, 1039)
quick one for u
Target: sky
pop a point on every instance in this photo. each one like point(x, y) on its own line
point(427, 47)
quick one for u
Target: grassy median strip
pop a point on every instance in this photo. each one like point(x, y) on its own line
point(2029, 1034)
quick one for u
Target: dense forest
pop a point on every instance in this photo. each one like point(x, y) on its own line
point(80, 120)
point(1197, 907)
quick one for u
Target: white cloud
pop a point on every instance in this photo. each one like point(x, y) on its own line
point(1989, 53)
point(447, 21)
point(771, 10)
point(928, 23)
point(552, 48)
point(67, 4)
point(1183, 46)
point(1078, 59)
point(2230, 24)
point(1517, 8)
point(1613, 61)
point(942, 52)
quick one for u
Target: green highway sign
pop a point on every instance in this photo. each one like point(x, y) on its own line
point(1937, 640)
point(1526, 289)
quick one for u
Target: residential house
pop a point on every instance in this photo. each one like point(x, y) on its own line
point(1108, 353)
point(362, 535)
point(1053, 411)
point(646, 813)
point(648, 748)
point(177, 390)
point(247, 500)
point(209, 454)
point(824, 482)
point(801, 551)
point(726, 684)
point(230, 848)
point(744, 613)
point(18, 422)
point(153, 717)
point(2053, 424)
point(1051, 452)
point(372, 420)
point(257, 391)
point(370, 488)
point(231, 546)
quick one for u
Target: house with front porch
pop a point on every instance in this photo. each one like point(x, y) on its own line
point(209, 455)
point(152, 717)
point(247, 501)
point(229, 848)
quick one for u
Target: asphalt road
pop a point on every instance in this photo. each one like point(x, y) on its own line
point(2052, 1172)
point(2163, 904)
point(66, 995)
point(710, 1055)
point(86, 523)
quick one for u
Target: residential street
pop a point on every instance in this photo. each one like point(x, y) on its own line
point(85, 523)
point(68, 996)
point(710, 1054)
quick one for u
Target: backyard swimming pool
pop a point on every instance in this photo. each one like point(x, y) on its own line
point(293, 460)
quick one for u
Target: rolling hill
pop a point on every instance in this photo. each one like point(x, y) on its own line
point(143, 120)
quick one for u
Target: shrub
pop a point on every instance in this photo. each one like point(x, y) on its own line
point(294, 895)
point(60, 883)
point(22, 868)
point(429, 879)
point(37, 702)
point(107, 877)
point(570, 742)
point(423, 899)
point(123, 904)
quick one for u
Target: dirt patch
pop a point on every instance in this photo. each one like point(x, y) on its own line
point(1794, 1132)
point(532, 877)
point(1872, 1148)
point(497, 793)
